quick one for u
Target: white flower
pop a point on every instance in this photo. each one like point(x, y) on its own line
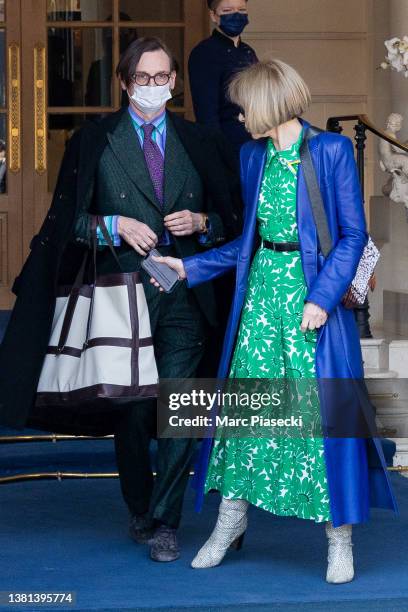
point(397, 55)
point(392, 46)
point(394, 60)
point(397, 63)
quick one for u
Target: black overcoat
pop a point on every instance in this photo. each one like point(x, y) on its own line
point(54, 258)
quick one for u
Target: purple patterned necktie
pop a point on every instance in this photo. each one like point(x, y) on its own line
point(154, 160)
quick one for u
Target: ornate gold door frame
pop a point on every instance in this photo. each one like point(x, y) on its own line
point(40, 109)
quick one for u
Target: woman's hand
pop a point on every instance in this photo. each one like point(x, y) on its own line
point(183, 223)
point(174, 264)
point(313, 317)
point(137, 234)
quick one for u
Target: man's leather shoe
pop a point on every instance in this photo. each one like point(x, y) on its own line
point(163, 545)
point(141, 528)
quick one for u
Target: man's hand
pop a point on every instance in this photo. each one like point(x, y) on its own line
point(137, 234)
point(172, 262)
point(313, 317)
point(183, 223)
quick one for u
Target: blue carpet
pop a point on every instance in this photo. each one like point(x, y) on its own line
point(72, 536)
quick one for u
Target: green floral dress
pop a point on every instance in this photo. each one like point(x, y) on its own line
point(284, 475)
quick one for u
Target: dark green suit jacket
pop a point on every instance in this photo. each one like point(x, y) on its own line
point(122, 186)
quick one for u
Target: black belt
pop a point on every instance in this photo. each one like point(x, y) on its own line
point(281, 246)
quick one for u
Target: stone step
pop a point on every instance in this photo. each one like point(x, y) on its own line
point(375, 353)
point(386, 351)
point(373, 373)
point(394, 415)
point(392, 422)
point(398, 356)
point(387, 382)
point(388, 389)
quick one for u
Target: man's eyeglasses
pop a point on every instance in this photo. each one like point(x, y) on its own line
point(143, 79)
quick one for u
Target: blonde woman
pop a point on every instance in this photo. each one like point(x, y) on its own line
point(287, 321)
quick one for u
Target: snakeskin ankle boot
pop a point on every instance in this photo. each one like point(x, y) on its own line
point(228, 533)
point(340, 557)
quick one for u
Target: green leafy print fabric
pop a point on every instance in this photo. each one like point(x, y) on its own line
point(283, 475)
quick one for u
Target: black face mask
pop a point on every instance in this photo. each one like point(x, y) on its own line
point(234, 23)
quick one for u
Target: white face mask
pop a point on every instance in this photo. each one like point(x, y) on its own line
point(150, 99)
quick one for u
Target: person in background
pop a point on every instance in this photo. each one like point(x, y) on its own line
point(213, 63)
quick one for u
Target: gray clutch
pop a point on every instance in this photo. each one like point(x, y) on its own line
point(166, 276)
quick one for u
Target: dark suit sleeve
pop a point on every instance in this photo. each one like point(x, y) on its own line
point(82, 228)
point(205, 82)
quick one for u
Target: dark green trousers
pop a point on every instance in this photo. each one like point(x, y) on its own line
point(179, 334)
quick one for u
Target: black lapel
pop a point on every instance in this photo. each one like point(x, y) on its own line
point(176, 167)
point(125, 145)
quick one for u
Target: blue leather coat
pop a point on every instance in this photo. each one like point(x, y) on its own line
point(356, 470)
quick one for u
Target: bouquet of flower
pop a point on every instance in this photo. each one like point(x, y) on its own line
point(397, 56)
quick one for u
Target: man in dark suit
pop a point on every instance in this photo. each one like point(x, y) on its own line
point(159, 181)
